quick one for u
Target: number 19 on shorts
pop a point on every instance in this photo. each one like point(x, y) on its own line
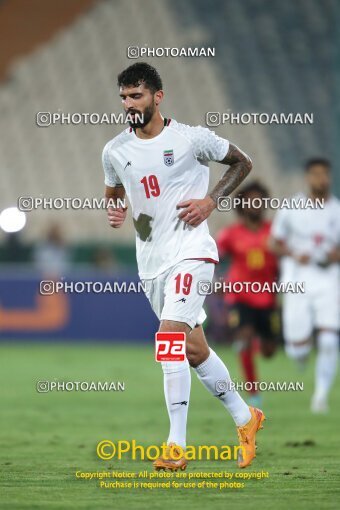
point(170, 346)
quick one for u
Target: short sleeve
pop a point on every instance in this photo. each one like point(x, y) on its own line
point(280, 226)
point(223, 242)
point(111, 177)
point(206, 145)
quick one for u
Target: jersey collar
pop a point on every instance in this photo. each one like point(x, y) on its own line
point(150, 140)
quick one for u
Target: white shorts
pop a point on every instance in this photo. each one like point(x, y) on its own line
point(174, 295)
point(317, 308)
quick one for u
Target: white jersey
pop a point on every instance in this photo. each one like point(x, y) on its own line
point(311, 231)
point(157, 174)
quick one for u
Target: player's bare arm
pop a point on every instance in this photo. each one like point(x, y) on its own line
point(116, 215)
point(240, 166)
point(197, 210)
point(280, 248)
point(334, 255)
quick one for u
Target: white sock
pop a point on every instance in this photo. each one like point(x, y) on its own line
point(326, 362)
point(215, 376)
point(177, 383)
point(298, 351)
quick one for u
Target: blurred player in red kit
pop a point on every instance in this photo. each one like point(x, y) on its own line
point(251, 314)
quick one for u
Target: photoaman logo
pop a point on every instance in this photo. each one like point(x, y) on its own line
point(107, 450)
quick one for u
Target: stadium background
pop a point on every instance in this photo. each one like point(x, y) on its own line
point(271, 56)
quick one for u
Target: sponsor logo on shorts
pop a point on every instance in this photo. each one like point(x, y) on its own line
point(182, 300)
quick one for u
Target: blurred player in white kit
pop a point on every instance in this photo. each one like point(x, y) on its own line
point(308, 241)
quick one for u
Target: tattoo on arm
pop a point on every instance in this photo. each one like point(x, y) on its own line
point(240, 166)
point(114, 194)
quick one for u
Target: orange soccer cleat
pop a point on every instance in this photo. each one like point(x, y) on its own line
point(247, 435)
point(172, 460)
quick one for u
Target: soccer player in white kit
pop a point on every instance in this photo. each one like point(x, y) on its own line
point(308, 241)
point(162, 167)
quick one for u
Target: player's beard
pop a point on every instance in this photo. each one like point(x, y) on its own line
point(147, 116)
point(321, 191)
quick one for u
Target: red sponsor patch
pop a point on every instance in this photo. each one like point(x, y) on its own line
point(170, 346)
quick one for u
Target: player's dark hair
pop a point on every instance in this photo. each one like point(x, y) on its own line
point(138, 73)
point(251, 187)
point(317, 161)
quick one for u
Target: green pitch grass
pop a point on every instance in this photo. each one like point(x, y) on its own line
point(46, 438)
